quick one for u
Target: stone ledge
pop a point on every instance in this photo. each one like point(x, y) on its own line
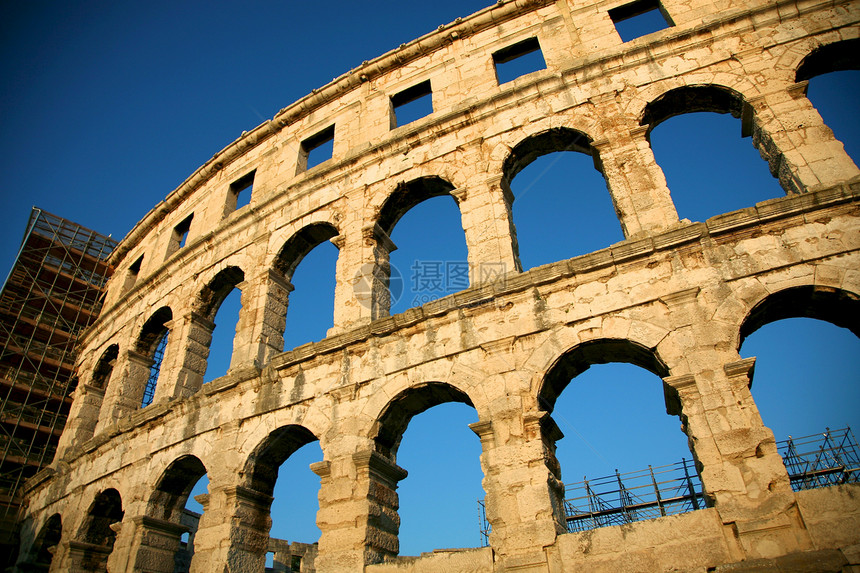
point(623, 251)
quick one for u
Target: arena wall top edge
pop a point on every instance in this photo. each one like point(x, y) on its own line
point(493, 15)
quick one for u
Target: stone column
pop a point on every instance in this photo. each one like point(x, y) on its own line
point(188, 350)
point(636, 182)
point(741, 470)
point(155, 544)
point(358, 511)
point(789, 133)
point(123, 397)
point(86, 557)
point(485, 210)
point(363, 270)
point(525, 496)
point(83, 417)
point(262, 319)
point(234, 531)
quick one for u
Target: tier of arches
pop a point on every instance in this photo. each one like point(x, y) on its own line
point(252, 482)
point(583, 133)
point(374, 270)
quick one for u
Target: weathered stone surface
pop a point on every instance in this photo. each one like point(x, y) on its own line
point(676, 297)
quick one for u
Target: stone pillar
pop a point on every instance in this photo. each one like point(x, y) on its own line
point(485, 210)
point(124, 396)
point(525, 495)
point(358, 511)
point(262, 319)
point(188, 350)
point(741, 470)
point(83, 417)
point(234, 531)
point(636, 182)
point(86, 557)
point(155, 544)
point(789, 133)
point(363, 270)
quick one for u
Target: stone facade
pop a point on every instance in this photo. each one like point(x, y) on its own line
point(675, 297)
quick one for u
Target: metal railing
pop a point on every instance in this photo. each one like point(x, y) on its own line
point(633, 496)
point(815, 461)
point(821, 459)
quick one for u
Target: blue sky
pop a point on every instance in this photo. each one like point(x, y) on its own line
point(107, 107)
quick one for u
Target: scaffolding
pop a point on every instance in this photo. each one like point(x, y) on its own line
point(821, 459)
point(633, 496)
point(53, 291)
point(814, 461)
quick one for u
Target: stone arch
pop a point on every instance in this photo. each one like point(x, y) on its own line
point(264, 461)
point(391, 423)
point(174, 486)
point(408, 194)
point(834, 57)
point(41, 553)
point(713, 97)
point(151, 347)
point(552, 140)
point(152, 331)
point(95, 540)
point(300, 244)
point(104, 367)
point(209, 299)
point(599, 351)
point(691, 99)
point(162, 527)
point(542, 143)
point(837, 306)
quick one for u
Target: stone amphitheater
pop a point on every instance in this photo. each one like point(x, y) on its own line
point(675, 297)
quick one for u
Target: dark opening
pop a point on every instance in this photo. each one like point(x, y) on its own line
point(640, 18)
point(839, 56)
point(316, 149)
point(240, 192)
point(104, 368)
point(154, 370)
point(411, 104)
point(279, 467)
point(133, 273)
point(180, 235)
point(518, 60)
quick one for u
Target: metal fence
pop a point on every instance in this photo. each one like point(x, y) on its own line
point(821, 459)
point(633, 496)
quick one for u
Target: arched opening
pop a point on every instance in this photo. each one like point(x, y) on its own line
point(622, 449)
point(561, 206)
point(833, 72)
point(708, 168)
point(279, 468)
point(151, 344)
point(96, 537)
point(427, 247)
point(312, 283)
point(104, 367)
point(168, 544)
point(219, 301)
point(806, 341)
point(425, 429)
point(42, 551)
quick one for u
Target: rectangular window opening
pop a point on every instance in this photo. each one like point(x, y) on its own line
point(180, 235)
point(316, 149)
point(639, 19)
point(518, 60)
point(240, 193)
point(411, 104)
point(133, 273)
